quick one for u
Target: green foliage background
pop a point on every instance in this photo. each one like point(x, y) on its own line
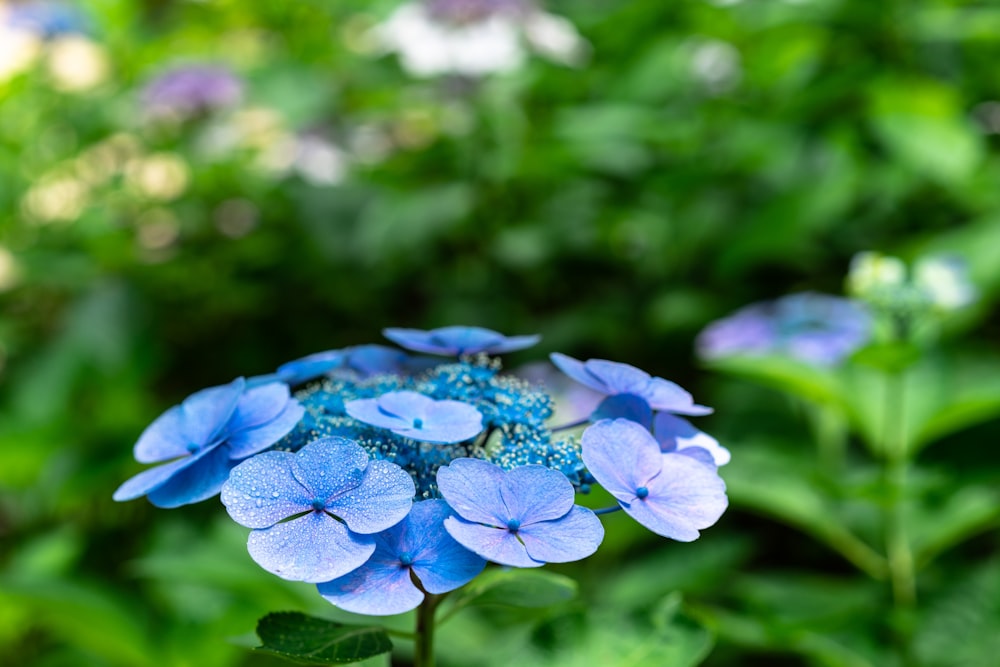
point(615, 208)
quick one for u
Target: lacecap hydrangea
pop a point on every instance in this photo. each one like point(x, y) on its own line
point(387, 475)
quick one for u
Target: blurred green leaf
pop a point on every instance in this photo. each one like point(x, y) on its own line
point(308, 640)
point(516, 588)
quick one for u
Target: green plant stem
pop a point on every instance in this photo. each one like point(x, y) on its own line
point(830, 430)
point(423, 644)
point(902, 573)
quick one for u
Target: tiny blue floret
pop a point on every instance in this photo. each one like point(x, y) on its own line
point(458, 340)
point(524, 517)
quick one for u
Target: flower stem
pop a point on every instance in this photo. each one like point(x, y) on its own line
point(608, 510)
point(899, 554)
point(423, 644)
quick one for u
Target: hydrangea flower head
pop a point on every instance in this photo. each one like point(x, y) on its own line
point(204, 437)
point(815, 328)
point(671, 495)
point(456, 341)
point(314, 512)
point(190, 90)
point(476, 37)
point(945, 280)
point(418, 546)
point(414, 415)
point(523, 517)
point(619, 381)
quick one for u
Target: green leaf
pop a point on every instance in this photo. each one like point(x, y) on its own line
point(308, 640)
point(941, 524)
point(518, 588)
point(784, 374)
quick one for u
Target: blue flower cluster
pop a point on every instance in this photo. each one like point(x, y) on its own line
point(388, 476)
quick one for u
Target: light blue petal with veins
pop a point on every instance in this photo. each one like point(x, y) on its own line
point(535, 493)
point(621, 455)
point(314, 547)
point(262, 491)
point(572, 537)
point(472, 488)
point(247, 442)
point(164, 439)
point(206, 413)
point(495, 544)
point(330, 466)
point(382, 498)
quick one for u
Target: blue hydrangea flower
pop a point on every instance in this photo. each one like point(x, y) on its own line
point(678, 435)
point(192, 89)
point(314, 512)
point(815, 328)
point(420, 417)
point(418, 546)
point(45, 19)
point(672, 495)
point(524, 517)
point(455, 341)
point(208, 434)
point(622, 384)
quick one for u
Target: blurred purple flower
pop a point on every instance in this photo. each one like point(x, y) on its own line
point(524, 517)
point(414, 415)
point(672, 495)
point(458, 12)
point(208, 434)
point(314, 512)
point(631, 392)
point(815, 328)
point(418, 547)
point(189, 90)
point(458, 340)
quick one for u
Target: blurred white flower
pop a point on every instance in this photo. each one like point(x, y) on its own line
point(19, 49)
point(475, 37)
point(160, 176)
point(10, 272)
point(945, 279)
point(717, 65)
point(873, 271)
point(76, 63)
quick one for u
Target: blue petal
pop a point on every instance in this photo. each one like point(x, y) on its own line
point(472, 489)
point(624, 406)
point(382, 498)
point(262, 491)
point(665, 395)
point(677, 434)
point(311, 367)
point(368, 360)
point(164, 439)
point(330, 466)
point(575, 369)
point(698, 454)
point(535, 493)
point(259, 405)
point(367, 410)
point(496, 544)
point(571, 537)
point(199, 481)
point(147, 480)
point(247, 442)
point(441, 563)
point(618, 378)
point(206, 412)
point(685, 497)
point(457, 340)
point(314, 548)
point(380, 587)
point(621, 455)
